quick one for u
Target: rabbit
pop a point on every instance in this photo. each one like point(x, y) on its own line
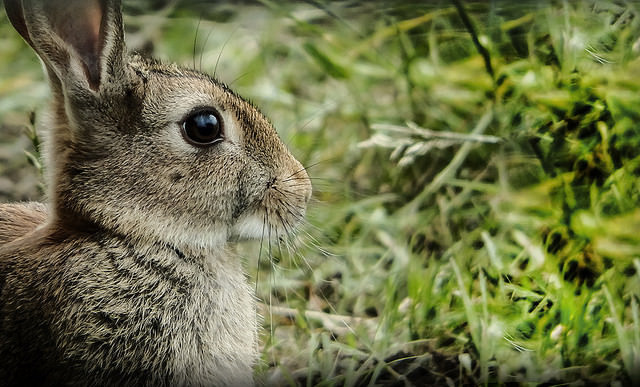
point(124, 277)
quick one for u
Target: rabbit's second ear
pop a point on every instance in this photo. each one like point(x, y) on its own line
point(81, 41)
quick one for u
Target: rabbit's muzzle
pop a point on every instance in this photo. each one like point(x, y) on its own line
point(280, 209)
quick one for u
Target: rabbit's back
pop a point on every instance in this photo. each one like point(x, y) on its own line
point(116, 313)
point(18, 219)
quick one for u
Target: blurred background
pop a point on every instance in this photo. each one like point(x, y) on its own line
point(475, 169)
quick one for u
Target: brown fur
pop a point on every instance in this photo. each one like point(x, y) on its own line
point(125, 279)
point(17, 220)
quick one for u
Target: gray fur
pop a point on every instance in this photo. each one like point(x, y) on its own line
point(123, 278)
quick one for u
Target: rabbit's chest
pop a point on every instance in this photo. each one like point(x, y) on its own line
point(214, 338)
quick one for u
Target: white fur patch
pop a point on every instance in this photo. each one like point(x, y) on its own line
point(250, 227)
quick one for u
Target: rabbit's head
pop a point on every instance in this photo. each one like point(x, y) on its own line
point(151, 150)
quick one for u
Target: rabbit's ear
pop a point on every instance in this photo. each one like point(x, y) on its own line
point(80, 41)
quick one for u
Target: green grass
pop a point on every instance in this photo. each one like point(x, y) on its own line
point(475, 216)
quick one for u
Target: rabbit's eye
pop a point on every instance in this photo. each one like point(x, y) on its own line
point(202, 128)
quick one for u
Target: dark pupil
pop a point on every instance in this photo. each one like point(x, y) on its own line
point(202, 128)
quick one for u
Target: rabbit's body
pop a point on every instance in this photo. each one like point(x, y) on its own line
point(102, 309)
point(124, 278)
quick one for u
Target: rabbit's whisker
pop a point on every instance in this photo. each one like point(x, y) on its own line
point(264, 226)
point(310, 225)
point(204, 46)
point(282, 191)
point(296, 185)
point(310, 178)
point(307, 168)
point(239, 77)
point(272, 276)
point(313, 245)
point(195, 42)
point(215, 68)
point(304, 260)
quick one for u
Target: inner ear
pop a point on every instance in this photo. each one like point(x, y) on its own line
point(81, 25)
